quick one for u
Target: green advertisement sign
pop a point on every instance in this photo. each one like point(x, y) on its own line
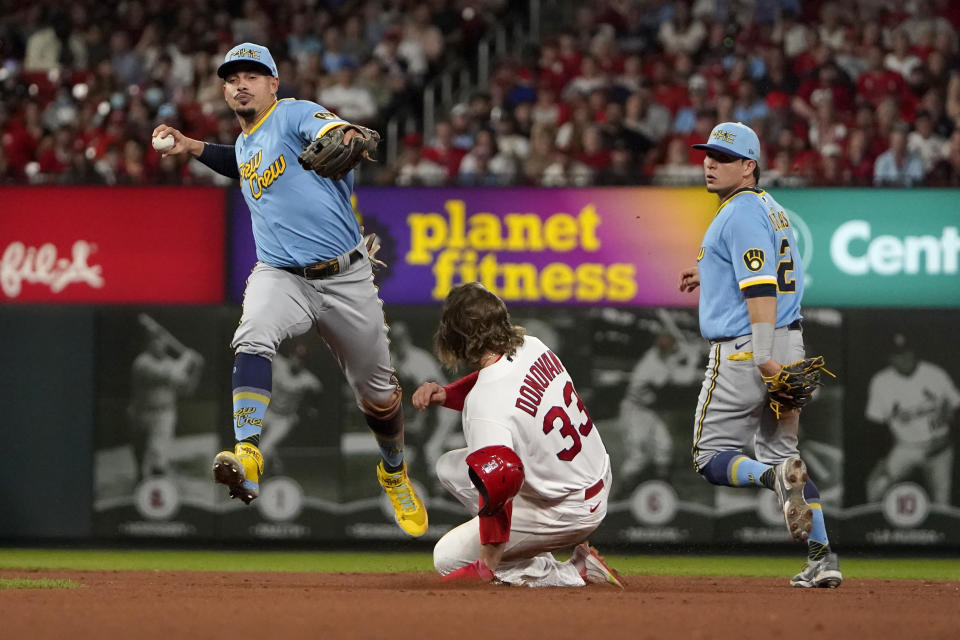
point(877, 247)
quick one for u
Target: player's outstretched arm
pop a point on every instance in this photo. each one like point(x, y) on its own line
point(689, 279)
point(181, 143)
point(427, 394)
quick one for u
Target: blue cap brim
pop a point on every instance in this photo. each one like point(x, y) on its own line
point(227, 67)
point(724, 150)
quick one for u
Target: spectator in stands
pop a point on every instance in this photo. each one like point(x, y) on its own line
point(898, 166)
point(859, 158)
point(546, 109)
point(676, 170)
point(828, 80)
point(116, 71)
point(350, 101)
point(301, 42)
point(509, 141)
point(442, 150)
point(570, 133)
point(485, 166)
point(946, 173)
point(877, 81)
point(593, 151)
point(924, 142)
point(686, 117)
point(749, 108)
point(825, 128)
point(564, 171)
point(682, 33)
point(620, 171)
point(833, 169)
point(780, 174)
point(645, 119)
point(590, 78)
point(541, 153)
point(901, 60)
point(412, 169)
point(355, 44)
point(422, 38)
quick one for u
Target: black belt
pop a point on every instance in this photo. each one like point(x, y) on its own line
point(796, 325)
point(324, 269)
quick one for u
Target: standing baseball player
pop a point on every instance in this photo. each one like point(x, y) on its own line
point(534, 469)
point(918, 401)
point(751, 285)
point(313, 268)
point(292, 385)
point(160, 375)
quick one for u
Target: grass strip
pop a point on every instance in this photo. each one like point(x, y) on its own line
point(38, 583)
point(355, 562)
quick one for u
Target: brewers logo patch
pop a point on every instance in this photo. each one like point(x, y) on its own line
point(700, 254)
point(326, 115)
point(753, 258)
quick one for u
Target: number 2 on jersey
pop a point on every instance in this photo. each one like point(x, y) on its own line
point(567, 430)
point(785, 268)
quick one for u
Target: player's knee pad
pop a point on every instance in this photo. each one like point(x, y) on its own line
point(384, 419)
point(716, 469)
point(810, 492)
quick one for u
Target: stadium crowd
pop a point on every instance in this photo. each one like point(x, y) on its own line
point(840, 93)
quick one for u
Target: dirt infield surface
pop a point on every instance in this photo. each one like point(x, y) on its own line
point(276, 606)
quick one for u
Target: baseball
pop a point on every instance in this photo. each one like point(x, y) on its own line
point(163, 144)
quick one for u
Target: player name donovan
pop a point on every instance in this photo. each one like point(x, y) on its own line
point(542, 372)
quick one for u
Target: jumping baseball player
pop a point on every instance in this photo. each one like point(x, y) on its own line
point(534, 470)
point(751, 285)
point(294, 160)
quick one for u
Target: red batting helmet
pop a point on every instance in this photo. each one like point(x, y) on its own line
point(497, 472)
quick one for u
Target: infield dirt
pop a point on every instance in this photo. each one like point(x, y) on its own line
point(276, 606)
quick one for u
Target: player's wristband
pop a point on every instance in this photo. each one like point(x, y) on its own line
point(762, 342)
point(496, 528)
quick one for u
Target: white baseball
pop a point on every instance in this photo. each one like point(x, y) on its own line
point(163, 144)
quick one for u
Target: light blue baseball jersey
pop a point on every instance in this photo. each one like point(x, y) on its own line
point(749, 242)
point(298, 217)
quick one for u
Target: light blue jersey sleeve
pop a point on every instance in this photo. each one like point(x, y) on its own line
point(750, 240)
point(312, 120)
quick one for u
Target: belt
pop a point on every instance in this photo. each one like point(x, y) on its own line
point(796, 325)
point(594, 490)
point(324, 269)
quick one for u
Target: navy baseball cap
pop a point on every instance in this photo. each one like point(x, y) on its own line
point(247, 53)
point(734, 139)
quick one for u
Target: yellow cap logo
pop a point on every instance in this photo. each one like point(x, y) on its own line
point(246, 53)
point(725, 136)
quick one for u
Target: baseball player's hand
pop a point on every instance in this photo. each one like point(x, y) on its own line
point(335, 153)
point(491, 554)
point(427, 394)
point(792, 386)
point(769, 368)
point(181, 143)
point(476, 571)
point(689, 279)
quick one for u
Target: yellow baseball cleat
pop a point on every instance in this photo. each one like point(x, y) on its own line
point(407, 507)
point(240, 470)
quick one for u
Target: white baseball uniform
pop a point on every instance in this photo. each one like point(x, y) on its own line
point(528, 402)
point(917, 408)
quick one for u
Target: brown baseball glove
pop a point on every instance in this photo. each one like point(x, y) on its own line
point(329, 157)
point(793, 386)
